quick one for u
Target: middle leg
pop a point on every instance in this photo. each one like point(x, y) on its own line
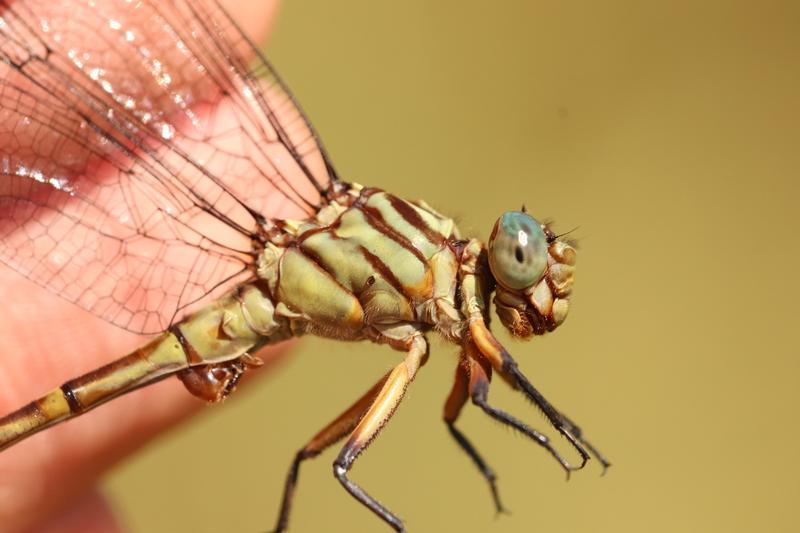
point(455, 402)
point(329, 435)
point(479, 373)
point(502, 362)
point(381, 410)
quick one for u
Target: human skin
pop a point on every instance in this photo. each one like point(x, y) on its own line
point(48, 483)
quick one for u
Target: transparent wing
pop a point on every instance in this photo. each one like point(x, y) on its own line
point(139, 148)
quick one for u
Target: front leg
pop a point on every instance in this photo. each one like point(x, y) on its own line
point(479, 376)
point(474, 305)
point(376, 417)
point(507, 367)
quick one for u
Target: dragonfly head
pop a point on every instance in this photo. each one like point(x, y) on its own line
point(534, 272)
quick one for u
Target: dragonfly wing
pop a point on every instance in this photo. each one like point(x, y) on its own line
point(139, 150)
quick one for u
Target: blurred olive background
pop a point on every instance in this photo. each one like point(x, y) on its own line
point(668, 133)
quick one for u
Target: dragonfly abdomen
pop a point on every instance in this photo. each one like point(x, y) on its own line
point(161, 357)
point(215, 336)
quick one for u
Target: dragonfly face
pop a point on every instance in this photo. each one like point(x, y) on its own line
point(534, 273)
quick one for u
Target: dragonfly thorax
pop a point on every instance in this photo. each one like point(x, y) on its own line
point(367, 260)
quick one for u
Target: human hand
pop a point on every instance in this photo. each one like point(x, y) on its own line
point(48, 483)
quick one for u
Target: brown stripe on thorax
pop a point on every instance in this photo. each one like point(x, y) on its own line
point(386, 273)
point(411, 216)
point(368, 238)
point(307, 287)
point(322, 229)
point(353, 265)
point(374, 218)
point(315, 258)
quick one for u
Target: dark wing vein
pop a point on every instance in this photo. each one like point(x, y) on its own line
point(138, 152)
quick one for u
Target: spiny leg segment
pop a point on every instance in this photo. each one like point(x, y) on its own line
point(338, 429)
point(481, 346)
point(479, 392)
point(376, 417)
point(455, 402)
point(502, 362)
point(363, 420)
point(472, 379)
point(576, 430)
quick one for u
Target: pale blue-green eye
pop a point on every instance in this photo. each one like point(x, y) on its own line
point(517, 250)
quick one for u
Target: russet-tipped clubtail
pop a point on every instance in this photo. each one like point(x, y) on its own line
point(150, 156)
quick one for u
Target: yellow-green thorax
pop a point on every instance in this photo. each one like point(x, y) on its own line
point(369, 259)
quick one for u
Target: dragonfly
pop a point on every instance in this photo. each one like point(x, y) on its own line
point(156, 172)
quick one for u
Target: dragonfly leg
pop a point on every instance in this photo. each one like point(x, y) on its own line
point(479, 392)
point(455, 402)
point(507, 367)
point(474, 294)
point(383, 406)
point(330, 434)
point(575, 430)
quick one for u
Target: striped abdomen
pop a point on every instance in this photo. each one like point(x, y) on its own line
point(220, 333)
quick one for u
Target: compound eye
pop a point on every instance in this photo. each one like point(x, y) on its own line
point(517, 250)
